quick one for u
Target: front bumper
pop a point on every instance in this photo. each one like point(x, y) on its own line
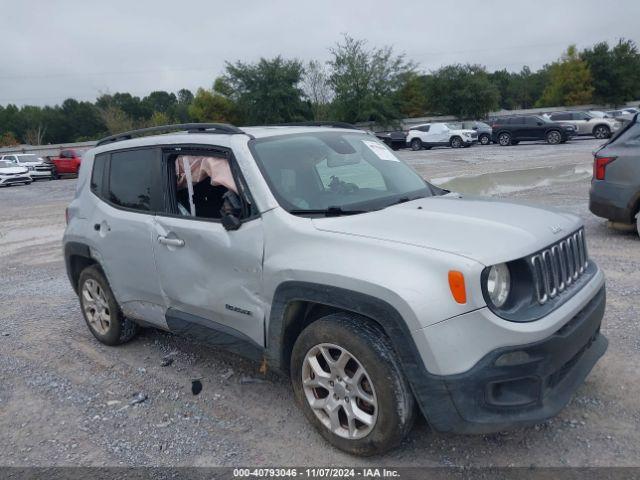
point(9, 180)
point(531, 383)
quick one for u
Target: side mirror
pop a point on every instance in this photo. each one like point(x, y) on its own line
point(231, 211)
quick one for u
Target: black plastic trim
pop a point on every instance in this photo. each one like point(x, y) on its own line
point(213, 333)
point(74, 249)
point(215, 128)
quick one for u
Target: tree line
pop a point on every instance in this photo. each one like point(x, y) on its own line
point(358, 83)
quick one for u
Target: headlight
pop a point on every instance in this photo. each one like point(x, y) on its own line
point(498, 284)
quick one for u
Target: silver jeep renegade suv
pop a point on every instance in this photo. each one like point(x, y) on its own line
point(314, 250)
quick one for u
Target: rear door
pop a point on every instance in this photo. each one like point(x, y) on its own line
point(211, 277)
point(582, 123)
point(519, 128)
point(127, 181)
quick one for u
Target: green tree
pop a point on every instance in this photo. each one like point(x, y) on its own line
point(462, 90)
point(569, 82)
point(208, 106)
point(615, 71)
point(267, 91)
point(411, 95)
point(365, 81)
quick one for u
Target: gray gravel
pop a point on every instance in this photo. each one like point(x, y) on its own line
point(67, 400)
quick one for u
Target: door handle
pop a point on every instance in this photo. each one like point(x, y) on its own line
point(171, 242)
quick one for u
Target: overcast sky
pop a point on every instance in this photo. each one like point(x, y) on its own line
point(51, 50)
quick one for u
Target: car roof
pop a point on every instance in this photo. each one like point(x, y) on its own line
point(209, 138)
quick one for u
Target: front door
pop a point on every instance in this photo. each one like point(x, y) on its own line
point(211, 277)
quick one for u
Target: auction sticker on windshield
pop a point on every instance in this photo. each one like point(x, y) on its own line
point(382, 152)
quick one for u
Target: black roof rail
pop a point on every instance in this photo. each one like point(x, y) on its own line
point(316, 124)
point(220, 128)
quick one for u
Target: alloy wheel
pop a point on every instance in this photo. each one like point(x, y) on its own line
point(601, 132)
point(484, 140)
point(339, 391)
point(553, 137)
point(96, 306)
point(504, 139)
point(456, 143)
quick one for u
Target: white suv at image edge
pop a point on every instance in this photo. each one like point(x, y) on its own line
point(12, 174)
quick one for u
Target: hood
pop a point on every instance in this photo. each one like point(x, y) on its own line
point(7, 170)
point(32, 164)
point(483, 229)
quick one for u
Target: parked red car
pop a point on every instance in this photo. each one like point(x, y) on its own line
point(68, 163)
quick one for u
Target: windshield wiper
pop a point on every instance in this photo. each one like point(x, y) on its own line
point(328, 212)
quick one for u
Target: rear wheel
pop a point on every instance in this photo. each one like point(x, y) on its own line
point(347, 380)
point(601, 132)
point(456, 142)
point(101, 311)
point(554, 137)
point(416, 144)
point(504, 139)
point(484, 139)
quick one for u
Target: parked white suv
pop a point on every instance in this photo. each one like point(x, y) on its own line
point(430, 135)
point(587, 124)
point(12, 174)
point(319, 253)
point(38, 168)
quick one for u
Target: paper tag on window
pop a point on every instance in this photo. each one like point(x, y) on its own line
point(382, 152)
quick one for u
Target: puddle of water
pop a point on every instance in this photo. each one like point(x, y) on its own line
point(497, 183)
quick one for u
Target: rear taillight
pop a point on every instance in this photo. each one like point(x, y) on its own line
point(600, 166)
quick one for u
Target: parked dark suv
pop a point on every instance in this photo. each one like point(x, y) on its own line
point(513, 130)
point(615, 188)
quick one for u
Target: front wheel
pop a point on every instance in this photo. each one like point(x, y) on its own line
point(349, 384)
point(416, 144)
point(554, 137)
point(101, 311)
point(601, 132)
point(484, 139)
point(456, 142)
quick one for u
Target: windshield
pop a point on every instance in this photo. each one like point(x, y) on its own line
point(336, 171)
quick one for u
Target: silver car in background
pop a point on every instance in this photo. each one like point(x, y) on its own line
point(587, 123)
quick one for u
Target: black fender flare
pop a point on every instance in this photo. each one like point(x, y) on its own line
point(379, 311)
point(75, 249)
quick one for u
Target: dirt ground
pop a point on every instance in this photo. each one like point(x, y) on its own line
point(65, 399)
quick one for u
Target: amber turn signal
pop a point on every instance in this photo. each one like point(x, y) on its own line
point(456, 284)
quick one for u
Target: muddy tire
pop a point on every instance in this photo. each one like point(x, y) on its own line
point(101, 311)
point(416, 144)
point(349, 384)
point(554, 137)
point(504, 139)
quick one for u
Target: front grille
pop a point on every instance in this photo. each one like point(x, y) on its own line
point(474, 135)
point(559, 266)
point(42, 168)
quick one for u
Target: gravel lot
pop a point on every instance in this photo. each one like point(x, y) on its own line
point(65, 399)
